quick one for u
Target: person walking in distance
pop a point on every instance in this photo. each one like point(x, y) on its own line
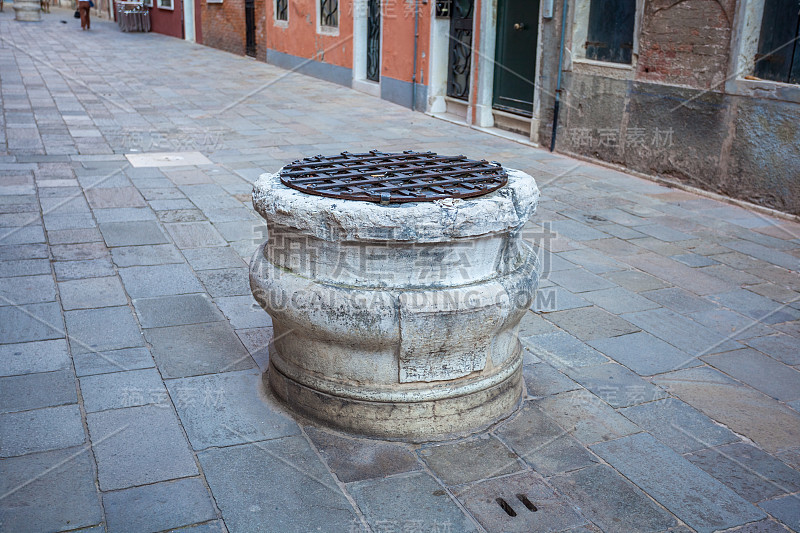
point(83, 7)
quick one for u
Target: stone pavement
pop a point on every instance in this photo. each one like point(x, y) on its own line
point(662, 354)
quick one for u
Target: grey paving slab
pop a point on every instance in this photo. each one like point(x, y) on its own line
point(176, 310)
point(731, 324)
point(678, 274)
point(243, 312)
point(138, 446)
point(74, 236)
point(256, 341)
point(79, 252)
point(764, 253)
point(159, 280)
point(592, 261)
point(616, 385)
point(157, 507)
point(226, 282)
point(275, 483)
point(699, 500)
point(226, 409)
point(695, 260)
point(69, 491)
point(786, 509)
point(123, 389)
point(756, 306)
point(611, 502)
point(589, 323)
point(579, 280)
point(542, 379)
point(679, 300)
point(681, 332)
point(71, 221)
point(586, 416)
point(196, 349)
point(353, 459)
point(563, 351)
point(644, 354)
point(214, 526)
point(542, 443)
point(554, 298)
point(101, 198)
point(108, 328)
point(678, 425)
point(158, 254)
point(23, 251)
point(664, 233)
point(213, 258)
point(553, 512)
point(748, 412)
point(30, 234)
point(91, 293)
point(89, 268)
point(195, 235)
point(32, 322)
point(32, 357)
point(781, 347)
point(242, 230)
point(33, 391)
point(27, 290)
point(762, 526)
point(470, 460)
point(618, 300)
point(761, 372)
point(39, 430)
point(576, 231)
point(24, 267)
point(749, 471)
point(132, 233)
point(408, 501)
point(181, 215)
point(123, 214)
point(91, 363)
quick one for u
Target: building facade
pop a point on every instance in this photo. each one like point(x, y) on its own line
point(701, 92)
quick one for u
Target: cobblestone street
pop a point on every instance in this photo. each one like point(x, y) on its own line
point(662, 359)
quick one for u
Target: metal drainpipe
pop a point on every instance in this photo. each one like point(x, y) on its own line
point(558, 84)
point(416, 40)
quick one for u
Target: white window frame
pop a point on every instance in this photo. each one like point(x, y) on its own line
point(576, 55)
point(328, 30)
point(212, 1)
point(746, 35)
point(171, 5)
point(276, 21)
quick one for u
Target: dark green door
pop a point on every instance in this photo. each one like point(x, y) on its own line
point(515, 55)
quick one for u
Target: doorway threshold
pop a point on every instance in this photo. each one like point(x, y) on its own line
point(497, 132)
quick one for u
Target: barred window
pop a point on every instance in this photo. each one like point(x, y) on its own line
point(329, 13)
point(281, 10)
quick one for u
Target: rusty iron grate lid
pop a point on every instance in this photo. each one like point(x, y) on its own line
point(394, 177)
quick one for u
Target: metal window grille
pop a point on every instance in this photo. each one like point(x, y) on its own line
point(281, 10)
point(329, 13)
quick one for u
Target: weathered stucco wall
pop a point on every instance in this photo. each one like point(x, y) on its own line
point(670, 115)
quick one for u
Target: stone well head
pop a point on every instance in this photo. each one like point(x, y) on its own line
point(397, 317)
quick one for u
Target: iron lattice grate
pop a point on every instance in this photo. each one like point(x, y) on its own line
point(394, 177)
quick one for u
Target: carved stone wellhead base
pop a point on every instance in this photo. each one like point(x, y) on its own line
point(396, 321)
